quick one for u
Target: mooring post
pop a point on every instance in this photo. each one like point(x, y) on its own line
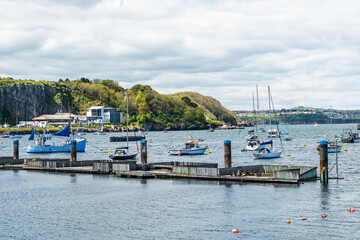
point(324, 178)
point(143, 151)
point(227, 153)
point(16, 149)
point(73, 151)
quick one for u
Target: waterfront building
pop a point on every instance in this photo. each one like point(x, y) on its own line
point(104, 115)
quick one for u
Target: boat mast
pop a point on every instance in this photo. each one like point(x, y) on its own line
point(254, 115)
point(127, 121)
point(270, 130)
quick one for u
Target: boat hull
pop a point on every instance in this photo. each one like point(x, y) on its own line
point(267, 155)
point(334, 150)
point(188, 151)
point(80, 147)
point(123, 157)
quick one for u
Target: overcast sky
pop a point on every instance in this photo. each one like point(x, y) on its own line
point(308, 51)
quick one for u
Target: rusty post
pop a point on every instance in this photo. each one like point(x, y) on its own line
point(143, 151)
point(324, 178)
point(227, 153)
point(16, 149)
point(73, 151)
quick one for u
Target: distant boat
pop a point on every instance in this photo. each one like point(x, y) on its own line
point(262, 130)
point(252, 145)
point(251, 135)
point(15, 136)
point(5, 136)
point(288, 139)
point(191, 148)
point(315, 124)
point(333, 147)
point(101, 131)
point(350, 137)
point(210, 130)
point(43, 142)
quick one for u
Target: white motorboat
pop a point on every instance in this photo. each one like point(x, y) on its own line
point(191, 148)
point(252, 145)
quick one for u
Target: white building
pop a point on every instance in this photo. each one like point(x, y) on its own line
point(104, 115)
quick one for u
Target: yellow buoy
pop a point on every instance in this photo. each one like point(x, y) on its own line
point(345, 149)
point(1, 142)
point(288, 221)
point(109, 153)
point(150, 141)
point(288, 155)
point(209, 151)
point(304, 144)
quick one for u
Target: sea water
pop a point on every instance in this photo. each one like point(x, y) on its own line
point(43, 205)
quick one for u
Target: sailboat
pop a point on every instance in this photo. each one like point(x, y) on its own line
point(122, 153)
point(43, 142)
point(252, 138)
point(268, 152)
point(101, 131)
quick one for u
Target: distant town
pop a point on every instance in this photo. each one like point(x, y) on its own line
point(302, 115)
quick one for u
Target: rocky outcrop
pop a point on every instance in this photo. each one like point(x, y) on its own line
point(25, 101)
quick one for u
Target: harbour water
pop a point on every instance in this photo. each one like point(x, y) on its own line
point(40, 205)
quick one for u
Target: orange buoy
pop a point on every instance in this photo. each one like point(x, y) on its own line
point(323, 216)
point(304, 219)
point(288, 221)
point(352, 210)
point(41, 150)
point(235, 230)
point(54, 150)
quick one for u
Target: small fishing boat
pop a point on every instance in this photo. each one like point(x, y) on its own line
point(121, 154)
point(333, 147)
point(350, 137)
point(210, 130)
point(288, 139)
point(43, 142)
point(191, 148)
point(5, 136)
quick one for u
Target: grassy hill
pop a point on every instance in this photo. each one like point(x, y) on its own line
point(25, 99)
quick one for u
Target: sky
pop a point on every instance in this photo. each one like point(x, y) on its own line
point(307, 51)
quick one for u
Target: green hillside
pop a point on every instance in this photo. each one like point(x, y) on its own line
point(25, 99)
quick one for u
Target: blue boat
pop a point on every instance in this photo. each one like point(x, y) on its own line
point(43, 143)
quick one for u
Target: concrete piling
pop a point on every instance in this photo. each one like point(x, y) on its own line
point(324, 178)
point(143, 151)
point(73, 151)
point(16, 149)
point(227, 153)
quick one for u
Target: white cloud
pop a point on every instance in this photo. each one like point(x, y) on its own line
point(306, 50)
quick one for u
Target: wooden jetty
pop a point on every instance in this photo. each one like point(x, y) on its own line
point(174, 170)
point(123, 138)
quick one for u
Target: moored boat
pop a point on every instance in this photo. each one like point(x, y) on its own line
point(43, 143)
point(121, 154)
point(191, 148)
